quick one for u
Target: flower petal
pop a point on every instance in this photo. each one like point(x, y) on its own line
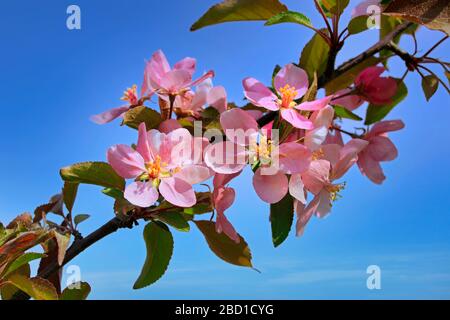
point(194, 174)
point(317, 176)
point(383, 127)
point(127, 162)
point(109, 115)
point(270, 188)
point(238, 126)
point(382, 149)
point(217, 98)
point(259, 94)
point(314, 105)
point(178, 192)
point(294, 158)
point(297, 188)
point(142, 145)
point(225, 157)
point(293, 117)
point(294, 77)
point(187, 64)
point(371, 168)
point(141, 194)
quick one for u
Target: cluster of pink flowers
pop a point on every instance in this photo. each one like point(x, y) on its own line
point(307, 162)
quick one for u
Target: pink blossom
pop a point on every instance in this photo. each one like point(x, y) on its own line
point(223, 198)
point(380, 149)
point(130, 95)
point(362, 9)
point(167, 82)
point(276, 162)
point(291, 83)
point(160, 163)
point(331, 164)
point(375, 89)
point(346, 99)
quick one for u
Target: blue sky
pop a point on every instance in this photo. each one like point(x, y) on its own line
point(53, 79)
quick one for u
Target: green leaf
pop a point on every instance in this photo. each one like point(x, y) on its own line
point(96, 173)
point(226, 249)
point(347, 78)
point(134, 117)
point(334, 6)
point(37, 288)
point(434, 14)
point(203, 205)
point(69, 194)
point(344, 113)
point(430, 85)
point(378, 113)
point(290, 17)
point(77, 291)
point(159, 242)
point(358, 25)
point(80, 218)
point(281, 218)
point(174, 219)
point(314, 56)
point(239, 10)
point(113, 193)
point(21, 261)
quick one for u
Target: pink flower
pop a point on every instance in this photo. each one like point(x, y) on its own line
point(362, 9)
point(380, 149)
point(333, 162)
point(291, 83)
point(160, 163)
point(375, 89)
point(270, 180)
point(223, 198)
point(160, 78)
point(346, 99)
point(130, 95)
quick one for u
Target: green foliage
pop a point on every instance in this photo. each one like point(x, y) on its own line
point(159, 243)
point(37, 288)
point(134, 117)
point(430, 85)
point(342, 112)
point(334, 7)
point(314, 56)
point(174, 219)
point(69, 194)
point(226, 249)
point(378, 113)
point(239, 10)
point(281, 218)
point(21, 261)
point(290, 17)
point(358, 25)
point(80, 218)
point(96, 173)
point(77, 291)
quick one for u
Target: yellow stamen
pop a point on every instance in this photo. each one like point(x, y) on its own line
point(334, 191)
point(288, 95)
point(130, 95)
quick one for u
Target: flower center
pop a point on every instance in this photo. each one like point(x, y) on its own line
point(156, 168)
point(130, 95)
point(262, 150)
point(288, 95)
point(334, 190)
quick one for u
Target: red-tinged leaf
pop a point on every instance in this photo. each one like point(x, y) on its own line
point(37, 288)
point(43, 210)
point(63, 242)
point(70, 191)
point(24, 220)
point(226, 249)
point(77, 291)
point(430, 85)
point(52, 251)
point(7, 289)
point(434, 14)
point(239, 10)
